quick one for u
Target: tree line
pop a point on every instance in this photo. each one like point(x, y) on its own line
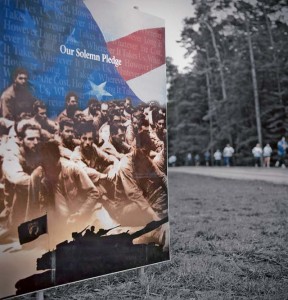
point(236, 89)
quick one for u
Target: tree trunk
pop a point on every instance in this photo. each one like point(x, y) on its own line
point(275, 61)
point(254, 81)
point(207, 73)
point(223, 83)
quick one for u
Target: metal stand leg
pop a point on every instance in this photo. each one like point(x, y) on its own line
point(142, 276)
point(40, 295)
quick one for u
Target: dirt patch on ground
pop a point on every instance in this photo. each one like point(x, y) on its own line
point(228, 241)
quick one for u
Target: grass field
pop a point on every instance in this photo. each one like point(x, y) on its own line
point(229, 240)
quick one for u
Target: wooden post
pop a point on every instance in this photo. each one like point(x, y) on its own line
point(142, 277)
point(141, 272)
point(40, 295)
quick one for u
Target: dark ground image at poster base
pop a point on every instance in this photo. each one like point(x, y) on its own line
point(93, 254)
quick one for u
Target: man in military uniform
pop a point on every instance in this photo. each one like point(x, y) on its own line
point(48, 127)
point(18, 169)
point(71, 102)
point(65, 192)
point(66, 137)
point(17, 100)
point(141, 188)
point(94, 161)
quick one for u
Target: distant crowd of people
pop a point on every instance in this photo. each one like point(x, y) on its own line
point(112, 156)
point(261, 156)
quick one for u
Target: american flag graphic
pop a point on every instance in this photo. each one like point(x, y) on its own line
point(75, 46)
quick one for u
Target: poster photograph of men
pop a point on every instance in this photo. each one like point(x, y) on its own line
point(82, 143)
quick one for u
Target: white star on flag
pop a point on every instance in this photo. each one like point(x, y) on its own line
point(98, 90)
point(71, 38)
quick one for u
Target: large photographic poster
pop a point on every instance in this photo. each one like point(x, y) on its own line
point(83, 188)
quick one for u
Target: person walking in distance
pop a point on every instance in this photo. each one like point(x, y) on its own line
point(228, 152)
point(257, 153)
point(218, 157)
point(207, 158)
point(281, 151)
point(267, 151)
point(197, 160)
point(189, 158)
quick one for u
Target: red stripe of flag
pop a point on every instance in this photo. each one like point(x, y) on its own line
point(140, 52)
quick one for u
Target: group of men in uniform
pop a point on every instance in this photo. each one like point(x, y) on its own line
point(102, 166)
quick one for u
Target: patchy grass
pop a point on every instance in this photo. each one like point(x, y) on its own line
point(228, 241)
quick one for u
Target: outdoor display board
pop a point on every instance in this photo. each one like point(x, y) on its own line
point(82, 142)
